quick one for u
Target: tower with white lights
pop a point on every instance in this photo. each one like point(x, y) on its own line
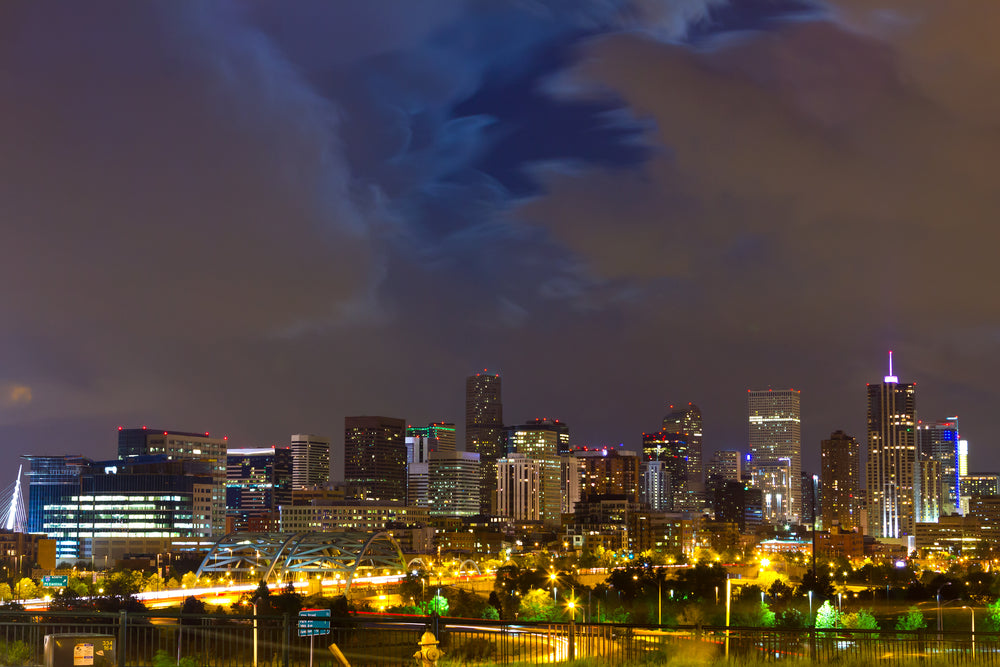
point(892, 455)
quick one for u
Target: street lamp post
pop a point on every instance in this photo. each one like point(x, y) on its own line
point(940, 619)
point(659, 601)
point(973, 612)
point(810, 605)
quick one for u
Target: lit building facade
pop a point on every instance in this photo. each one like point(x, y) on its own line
point(654, 486)
point(672, 450)
point(927, 491)
point(938, 441)
point(454, 483)
point(183, 446)
point(840, 479)
point(974, 486)
point(137, 505)
point(774, 433)
point(726, 465)
point(484, 431)
point(892, 449)
point(310, 460)
point(773, 477)
point(539, 442)
point(685, 423)
point(258, 485)
point(519, 485)
point(375, 458)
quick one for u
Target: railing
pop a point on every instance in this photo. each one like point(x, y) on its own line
point(228, 641)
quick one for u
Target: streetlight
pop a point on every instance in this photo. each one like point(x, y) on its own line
point(939, 617)
point(810, 604)
point(555, 592)
point(973, 612)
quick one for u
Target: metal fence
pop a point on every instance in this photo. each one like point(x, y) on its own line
point(162, 639)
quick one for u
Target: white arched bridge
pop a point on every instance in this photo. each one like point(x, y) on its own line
point(284, 557)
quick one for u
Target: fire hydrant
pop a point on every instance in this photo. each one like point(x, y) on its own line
point(429, 653)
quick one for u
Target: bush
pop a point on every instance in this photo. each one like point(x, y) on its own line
point(164, 659)
point(16, 653)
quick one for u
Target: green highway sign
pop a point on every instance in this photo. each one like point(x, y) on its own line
point(314, 622)
point(55, 581)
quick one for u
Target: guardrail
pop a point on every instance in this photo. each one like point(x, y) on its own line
point(162, 639)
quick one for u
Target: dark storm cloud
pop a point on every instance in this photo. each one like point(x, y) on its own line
point(247, 217)
point(818, 189)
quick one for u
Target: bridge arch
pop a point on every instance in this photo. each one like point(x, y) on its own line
point(279, 557)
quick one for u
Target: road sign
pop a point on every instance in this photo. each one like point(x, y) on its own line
point(55, 581)
point(314, 622)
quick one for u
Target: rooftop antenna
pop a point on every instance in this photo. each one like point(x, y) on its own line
point(890, 378)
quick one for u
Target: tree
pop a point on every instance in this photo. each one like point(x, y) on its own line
point(827, 616)
point(25, 589)
point(913, 619)
point(759, 616)
point(189, 580)
point(438, 605)
point(992, 623)
point(6, 595)
point(491, 613)
point(860, 620)
point(537, 605)
point(790, 618)
point(820, 585)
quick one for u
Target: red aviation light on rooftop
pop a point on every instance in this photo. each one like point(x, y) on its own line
point(143, 427)
point(164, 433)
point(121, 428)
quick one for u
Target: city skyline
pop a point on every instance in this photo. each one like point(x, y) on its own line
point(258, 222)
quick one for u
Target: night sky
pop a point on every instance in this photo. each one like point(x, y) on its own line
point(255, 218)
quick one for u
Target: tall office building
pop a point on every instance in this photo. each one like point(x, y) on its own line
point(520, 494)
point(726, 465)
point(927, 491)
point(182, 446)
point(258, 485)
point(453, 483)
point(685, 423)
point(654, 486)
point(484, 432)
point(892, 455)
point(310, 460)
point(538, 441)
point(938, 441)
point(840, 477)
point(774, 433)
point(375, 458)
point(422, 440)
point(773, 477)
point(672, 448)
point(811, 495)
point(609, 473)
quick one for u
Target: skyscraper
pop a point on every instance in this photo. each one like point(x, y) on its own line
point(375, 458)
point(840, 477)
point(484, 433)
point(774, 433)
point(892, 453)
point(685, 423)
point(939, 441)
point(310, 460)
point(671, 449)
